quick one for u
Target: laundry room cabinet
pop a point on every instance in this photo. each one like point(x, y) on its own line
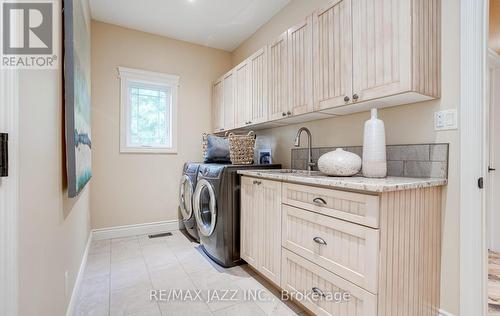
point(381, 243)
point(261, 226)
point(347, 57)
point(380, 50)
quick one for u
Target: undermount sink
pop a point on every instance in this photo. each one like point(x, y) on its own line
point(295, 171)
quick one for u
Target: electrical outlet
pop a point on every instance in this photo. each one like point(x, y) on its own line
point(66, 283)
point(445, 120)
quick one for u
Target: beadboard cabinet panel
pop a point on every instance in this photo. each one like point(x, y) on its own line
point(303, 276)
point(228, 100)
point(258, 87)
point(332, 55)
point(269, 260)
point(300, 80)
point(410, 252)
point(242, 94)
point(278, 77)
point(261, 226)
point(381, 48)
point(249, 216)
point(346, 249)
point(218, 107)
point(354, 207)
point(427, 47)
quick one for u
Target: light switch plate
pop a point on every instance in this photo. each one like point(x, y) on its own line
point(445, 120)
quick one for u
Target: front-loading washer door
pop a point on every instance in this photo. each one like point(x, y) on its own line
point(205, 207)
point(186, 197)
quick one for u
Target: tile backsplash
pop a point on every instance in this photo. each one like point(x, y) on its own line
point(416, 161)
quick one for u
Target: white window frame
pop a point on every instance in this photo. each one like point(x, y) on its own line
point(130, 76)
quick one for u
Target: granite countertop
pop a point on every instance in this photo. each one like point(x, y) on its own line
point(358, 183)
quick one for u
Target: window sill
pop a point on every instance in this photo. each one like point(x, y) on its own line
point(146, 150)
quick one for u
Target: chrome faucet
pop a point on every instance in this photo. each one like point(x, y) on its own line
point(310, 163)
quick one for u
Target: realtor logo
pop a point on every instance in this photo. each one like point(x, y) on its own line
point(29, 37)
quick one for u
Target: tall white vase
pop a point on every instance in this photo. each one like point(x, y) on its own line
point(374, 150)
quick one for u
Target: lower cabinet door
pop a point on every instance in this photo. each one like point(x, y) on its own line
point(249, 221)
point(269, 229)
point(323, 292)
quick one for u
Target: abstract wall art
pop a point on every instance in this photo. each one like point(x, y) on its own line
point(77, 97)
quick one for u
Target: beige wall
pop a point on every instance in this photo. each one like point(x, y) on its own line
point(404, 124)
point(142, 188)
point(53, 230)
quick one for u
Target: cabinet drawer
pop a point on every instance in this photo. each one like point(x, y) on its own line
point(354, 207)
point(301, 275)
point(346, 249)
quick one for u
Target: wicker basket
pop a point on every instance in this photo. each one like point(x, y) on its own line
point(242, 148)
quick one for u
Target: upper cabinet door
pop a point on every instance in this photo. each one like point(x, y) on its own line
point(332, 55)
point(277, 77)
point(228, 90)
point(300, 67)
point(217, 106)
point(381, 48)
point(258, 86)
point(242, 94)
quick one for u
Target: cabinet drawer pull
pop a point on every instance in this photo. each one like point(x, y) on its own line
point(319, 201)
point(257, 182)
point(319, 240)
point(317, 291)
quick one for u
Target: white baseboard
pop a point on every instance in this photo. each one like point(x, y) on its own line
point(132, 230)
point(79, 277)
point(444, 313)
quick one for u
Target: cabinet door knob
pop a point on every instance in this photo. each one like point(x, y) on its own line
point(283, 114)
point(317, 291)
point(346, 99)
point(319, 201)
point(288, 113)
point(355, 97)
point(319, 240)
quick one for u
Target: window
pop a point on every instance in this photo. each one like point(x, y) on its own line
point(148, 112)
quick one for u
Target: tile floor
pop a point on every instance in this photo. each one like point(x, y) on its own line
point(493, 283)
point(120, 274)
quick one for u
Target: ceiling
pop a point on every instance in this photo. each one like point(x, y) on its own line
point(222, 24)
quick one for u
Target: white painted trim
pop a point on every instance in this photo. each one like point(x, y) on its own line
point(147, 76)
point(128, 75)
point(133, 230)
point(442, 312)
point(9, 194)
point(76, 288)
point(473, 253)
